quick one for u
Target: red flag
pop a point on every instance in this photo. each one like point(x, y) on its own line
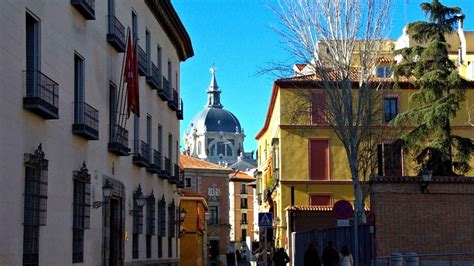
point(131, 78)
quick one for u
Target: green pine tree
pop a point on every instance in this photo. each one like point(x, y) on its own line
point(441, 90)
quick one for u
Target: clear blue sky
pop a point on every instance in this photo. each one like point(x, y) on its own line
point(236, 36)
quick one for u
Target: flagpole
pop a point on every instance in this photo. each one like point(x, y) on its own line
point(121, 102)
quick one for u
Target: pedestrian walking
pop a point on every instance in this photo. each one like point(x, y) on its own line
point(238, 255)
point(330, 255)
point(280, 258)
point(311, 256)
point(346, 259)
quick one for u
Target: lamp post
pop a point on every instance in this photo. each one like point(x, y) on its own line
point(107, 190)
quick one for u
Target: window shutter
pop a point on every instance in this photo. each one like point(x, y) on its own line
point(320, 200)
point(319, 160)
point(380, 160)
point(43, 195)
point(87, 205)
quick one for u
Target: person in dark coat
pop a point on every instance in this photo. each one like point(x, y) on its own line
point(330, 255)
point(311, 256)
point(280, 258)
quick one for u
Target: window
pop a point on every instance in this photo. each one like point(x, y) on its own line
point(243, 203)
point(111, 7)
point(243, 189)
point(150, 225)
point(384, 72)
point(170, 73)
point(161, 225)
point(244, 218)
point(148, 129)
point(148, 49)
point(188, 182)
point(171, 227)
point(159, 55)
point(199, 148)
point(112, 110)
point(160, 138)
point(318, 107)
point(32, 55)
point(389, 159)
point(35, 204)
point(320, 200)
point(170, 146)
point(136, 134)
point(81, 212)
point(213, 214)
point(390, 109)
point(137, 224)
point(79, 89)
point(244, 235)
point(319, 159)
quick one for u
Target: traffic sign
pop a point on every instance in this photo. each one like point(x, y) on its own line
point(265, 219)
point(343, 223)
point(342, 210)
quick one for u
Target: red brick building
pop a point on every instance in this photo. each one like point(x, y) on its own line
point(423, 217)
point(212, 181)
point(241, 208)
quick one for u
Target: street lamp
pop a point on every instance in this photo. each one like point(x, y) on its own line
point(107, 190)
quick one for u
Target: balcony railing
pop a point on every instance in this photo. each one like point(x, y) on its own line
point(85, 7)
point(118, 143)
point(179, 112)
point(86, 121)
point(116, 35)
point(155, 162)
point(165, 92)
point(180, 183)
point(41, 95)
point(142, 61)
point(141, 156)
point(153, 77)
point(243, 222)
point(174, 177)
point(173, 100)
point(166, 170)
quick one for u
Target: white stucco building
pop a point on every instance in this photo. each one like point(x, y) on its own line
point(65, 141)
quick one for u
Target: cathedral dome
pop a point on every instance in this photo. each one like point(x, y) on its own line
point(215, 120)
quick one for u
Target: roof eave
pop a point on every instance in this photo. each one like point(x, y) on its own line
point(166, 15)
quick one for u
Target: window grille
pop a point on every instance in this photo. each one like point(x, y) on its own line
point(81, 211)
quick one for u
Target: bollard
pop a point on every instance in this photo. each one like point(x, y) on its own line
point(412, 259)
point(396, 259)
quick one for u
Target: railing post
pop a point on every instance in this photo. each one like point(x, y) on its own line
point(412, 259)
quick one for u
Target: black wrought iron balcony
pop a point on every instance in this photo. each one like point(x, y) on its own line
point(155, 162)
point(179, 112)
point(142, 61)
point(166, 168)
point(165, 92)
point(173, 100)
point(86, 121)
point(118, 141)
point(141, 154)
point(243, 222)
point(116, 35)
point(41, 95)
point(153, 77)
point(85, 7)
point(174, 177)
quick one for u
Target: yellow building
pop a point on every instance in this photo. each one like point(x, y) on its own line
point(303, 152)
point(193, 230)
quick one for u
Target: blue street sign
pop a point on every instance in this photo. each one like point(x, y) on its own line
point(265, 219)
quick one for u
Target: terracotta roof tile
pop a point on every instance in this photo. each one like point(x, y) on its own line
point(194, 163)
point(312, 208)
point(416, 179)
point(386, 59)
point(241, 176)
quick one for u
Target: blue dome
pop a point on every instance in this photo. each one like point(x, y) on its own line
point(215, 120)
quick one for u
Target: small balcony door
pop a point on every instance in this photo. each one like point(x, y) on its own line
point(78, 89)
point(319, 159)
